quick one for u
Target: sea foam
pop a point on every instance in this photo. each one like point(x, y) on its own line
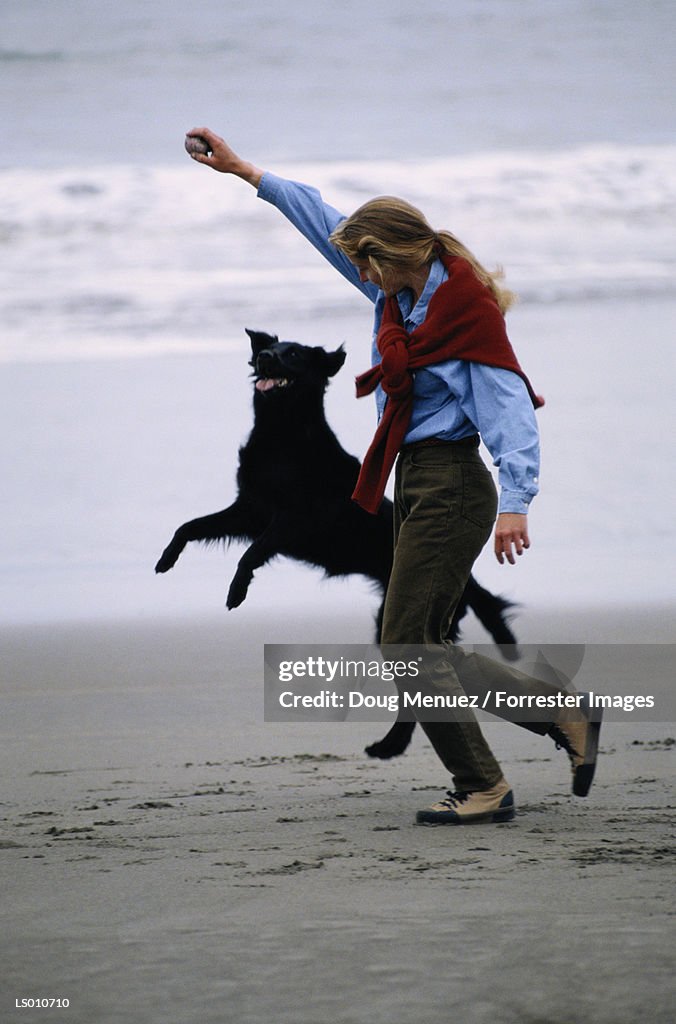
point(125, 259)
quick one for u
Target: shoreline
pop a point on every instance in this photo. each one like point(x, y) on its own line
point(93, 497)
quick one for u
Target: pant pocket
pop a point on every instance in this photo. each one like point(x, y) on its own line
point(479, 501)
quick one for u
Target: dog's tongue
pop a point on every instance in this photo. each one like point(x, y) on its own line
point(265, 384)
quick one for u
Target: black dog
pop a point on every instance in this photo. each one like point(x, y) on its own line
point(294, 498)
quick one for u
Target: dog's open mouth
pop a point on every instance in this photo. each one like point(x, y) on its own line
point(270, 383)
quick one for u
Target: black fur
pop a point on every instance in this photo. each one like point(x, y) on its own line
point(294, 498)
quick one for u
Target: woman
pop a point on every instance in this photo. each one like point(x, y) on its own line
point(447, 374)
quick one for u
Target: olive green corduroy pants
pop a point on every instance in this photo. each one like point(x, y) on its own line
point(444, 509)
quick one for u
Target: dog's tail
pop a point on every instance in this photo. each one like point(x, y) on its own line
point(494, 613)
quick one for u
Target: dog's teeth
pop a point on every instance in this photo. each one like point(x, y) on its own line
point(268, 383)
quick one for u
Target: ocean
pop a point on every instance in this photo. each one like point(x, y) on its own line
point(540, 133)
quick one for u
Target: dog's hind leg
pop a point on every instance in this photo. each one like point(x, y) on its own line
point(225, 525)
point(394, 743)
point(398, 738)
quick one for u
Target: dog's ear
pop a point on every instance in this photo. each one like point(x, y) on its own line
point(260, 340)
point(334, 361)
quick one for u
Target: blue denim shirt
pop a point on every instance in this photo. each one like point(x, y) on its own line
point(452, 399)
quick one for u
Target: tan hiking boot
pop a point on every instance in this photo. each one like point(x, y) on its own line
point(489, 805)
point(580, 740)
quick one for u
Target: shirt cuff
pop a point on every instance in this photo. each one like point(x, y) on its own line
point(268, 187)
point(514, 501)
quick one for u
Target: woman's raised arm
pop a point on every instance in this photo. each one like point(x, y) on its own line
point(224, 159)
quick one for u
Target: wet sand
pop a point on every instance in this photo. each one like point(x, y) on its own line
point(167, 856)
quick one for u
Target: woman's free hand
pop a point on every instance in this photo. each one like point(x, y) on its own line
point(224, 159)
point(511, 536)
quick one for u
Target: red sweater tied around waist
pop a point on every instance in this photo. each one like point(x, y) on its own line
point(463, 321)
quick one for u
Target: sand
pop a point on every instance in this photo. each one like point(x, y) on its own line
point(167, 856)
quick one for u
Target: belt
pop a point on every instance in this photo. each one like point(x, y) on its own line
point(471, 441)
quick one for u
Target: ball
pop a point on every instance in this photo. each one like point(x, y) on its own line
point(196, 144)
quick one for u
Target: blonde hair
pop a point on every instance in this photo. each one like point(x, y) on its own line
point(388, 233)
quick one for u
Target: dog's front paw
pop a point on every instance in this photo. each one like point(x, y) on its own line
point(168, 559)
point(238, 591)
